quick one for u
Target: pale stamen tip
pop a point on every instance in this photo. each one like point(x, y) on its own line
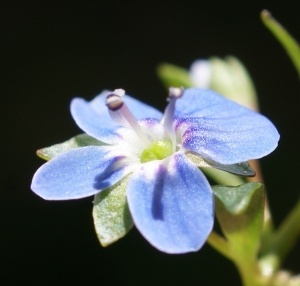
point(119, 91)
point(175, 92)
point(114, 100)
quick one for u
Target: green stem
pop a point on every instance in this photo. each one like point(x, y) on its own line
point(286, 235)
point(219, 243)
point(248, 267)
point(287, 41)
point(250, 274)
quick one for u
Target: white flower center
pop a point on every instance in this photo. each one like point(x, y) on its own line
point(155, 147)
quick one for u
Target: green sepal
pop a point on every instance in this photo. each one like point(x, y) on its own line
point(81, 140)
point(112, 219)
point(240, 213)
point(287, 41)
point(241, 169)
point(236, 200)
point(172, 75)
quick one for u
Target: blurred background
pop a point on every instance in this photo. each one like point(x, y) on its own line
point(51, 51)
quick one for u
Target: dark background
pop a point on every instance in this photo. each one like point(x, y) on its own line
point(51, 51)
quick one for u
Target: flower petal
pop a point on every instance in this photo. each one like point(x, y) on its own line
point(94, 119)
point(171, 204)
point(80, 172)
point(221, 130)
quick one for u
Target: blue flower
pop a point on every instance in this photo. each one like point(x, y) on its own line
point(169, 198)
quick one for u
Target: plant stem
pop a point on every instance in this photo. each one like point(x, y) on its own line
point(286, 235)
point(287, 41)
point(250, 274)
point(219, 243)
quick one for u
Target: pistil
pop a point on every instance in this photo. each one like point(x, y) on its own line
point(120, 113)
point(174, 94)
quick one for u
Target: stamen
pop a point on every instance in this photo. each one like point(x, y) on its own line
point(114, 101)
point(120, 113)
point(174, 94)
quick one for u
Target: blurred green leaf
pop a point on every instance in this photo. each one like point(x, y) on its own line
point(287, 41)
point(81, 140)
point(172, 75)
point(284, 238)
point(111, 214)
point(230, 78)
point(240, 213)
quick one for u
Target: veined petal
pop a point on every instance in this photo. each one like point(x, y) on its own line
point(80, 172)
point(230, 140)
point(222, 130)
point(94, 119)
point(171, 204)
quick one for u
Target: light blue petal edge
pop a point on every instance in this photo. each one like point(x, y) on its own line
point(222, 130)
point(94, 119)
point(80, 173)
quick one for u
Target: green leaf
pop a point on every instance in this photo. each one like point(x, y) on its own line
point(75, 142)
point(287, 41)
point(240, 213)
point(172, 75)
point(111, 214)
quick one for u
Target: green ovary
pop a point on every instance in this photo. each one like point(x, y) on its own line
point(157, 151)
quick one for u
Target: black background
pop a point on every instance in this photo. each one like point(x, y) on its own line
point(51, 51)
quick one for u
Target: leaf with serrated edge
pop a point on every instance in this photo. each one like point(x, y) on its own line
point(81, 140)
point(111, 214)
point(240, 213)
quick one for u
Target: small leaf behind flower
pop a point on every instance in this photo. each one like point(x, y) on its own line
point(111, 214)
point(172, 75)
point(81, 140)
point(240, 213)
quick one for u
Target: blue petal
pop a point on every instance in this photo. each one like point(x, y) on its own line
point(197, 102)
point(221, 130)
point(79, 173)
point(171, 204)
point(94, 119)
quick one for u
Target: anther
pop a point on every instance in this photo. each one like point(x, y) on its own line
point(120, 113)
point(114, 101)
point(175, 92)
